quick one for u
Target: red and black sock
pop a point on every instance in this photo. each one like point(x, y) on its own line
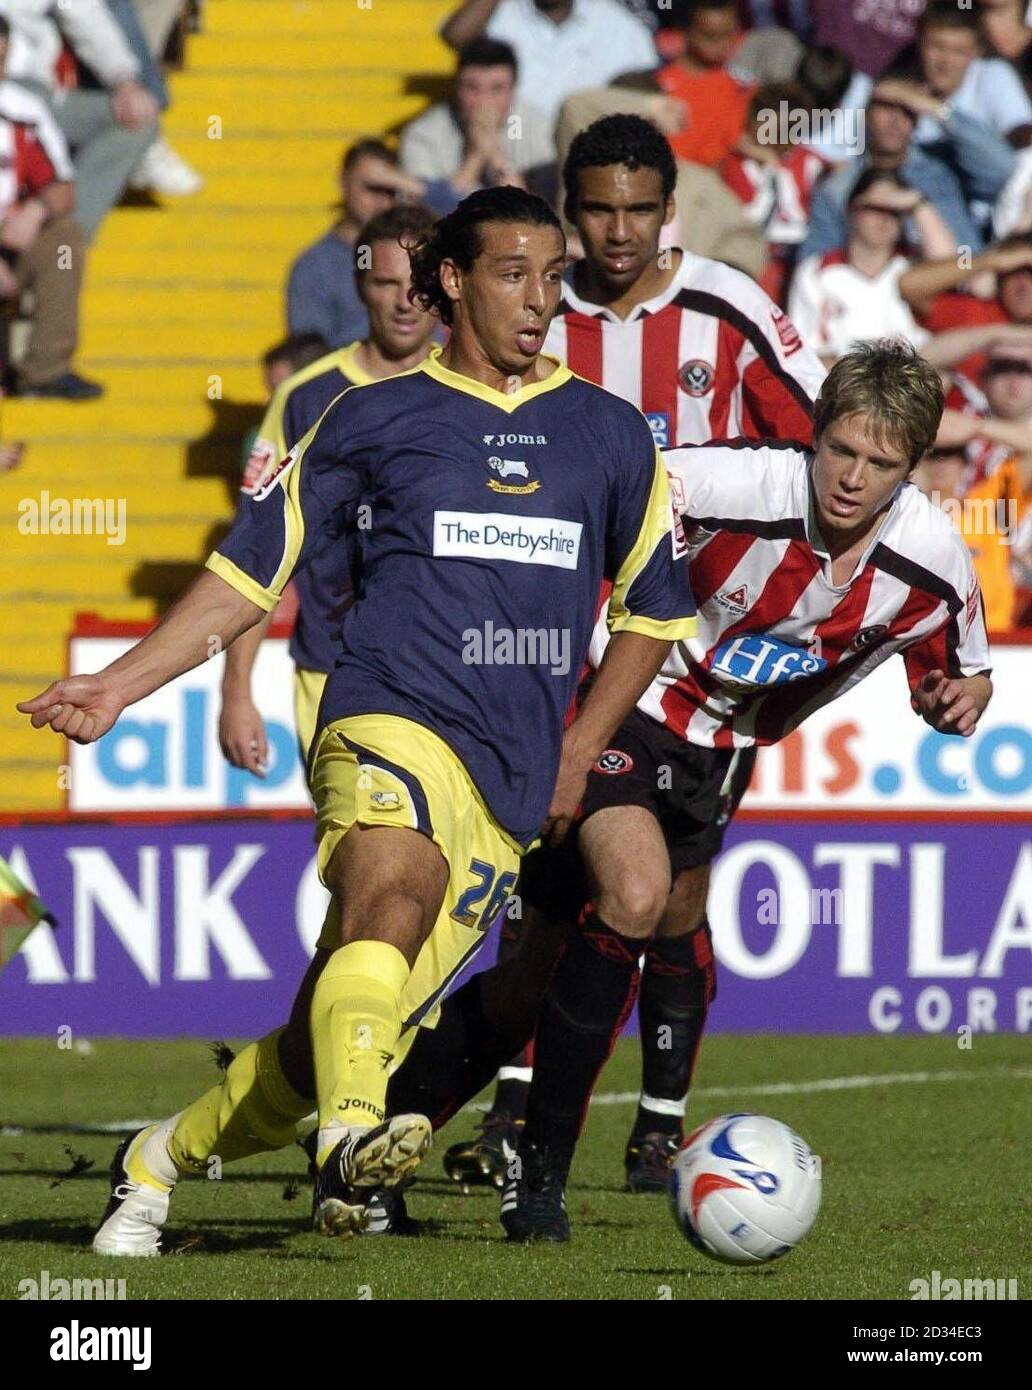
point(591, 995)
point(450, 1064)
point(678, 985)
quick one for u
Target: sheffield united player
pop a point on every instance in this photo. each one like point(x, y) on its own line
point(705, 354)
point(810, 568)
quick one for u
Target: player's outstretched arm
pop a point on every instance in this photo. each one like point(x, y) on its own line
point(202, 623)
point(629, 665)
point(952, 706)
point(242, 735)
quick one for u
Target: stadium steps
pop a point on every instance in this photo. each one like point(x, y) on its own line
point(179, 303)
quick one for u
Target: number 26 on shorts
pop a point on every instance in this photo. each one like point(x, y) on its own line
point(495, 887)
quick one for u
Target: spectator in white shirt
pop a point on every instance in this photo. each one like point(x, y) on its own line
point(561, 46)
point(852, 294)
point(108, 130)
point(483, 135)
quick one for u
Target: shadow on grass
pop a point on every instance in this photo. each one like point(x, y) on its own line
point(229, 1236)
point(59, 1177)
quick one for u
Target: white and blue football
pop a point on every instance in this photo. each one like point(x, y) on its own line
point(745, 1189)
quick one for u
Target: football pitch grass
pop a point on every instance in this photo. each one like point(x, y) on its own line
point(924, 1148)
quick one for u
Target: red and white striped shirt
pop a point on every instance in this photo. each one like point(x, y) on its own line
point(777, 197)
point(776, 638)
point(33, 152)
point(710, 357)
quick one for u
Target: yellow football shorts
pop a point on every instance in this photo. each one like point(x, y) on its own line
point(380, 769)
point(308, 689)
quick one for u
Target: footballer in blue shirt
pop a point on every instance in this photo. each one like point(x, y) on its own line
point(490, 493)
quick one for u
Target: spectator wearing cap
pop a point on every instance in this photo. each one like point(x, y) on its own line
point(891, 118)
point(483, 134)
point(561, 46)
point(848, 295)
point(108, 129)
point(41, 244)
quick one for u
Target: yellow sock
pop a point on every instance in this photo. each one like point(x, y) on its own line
point(254, 1109)
point(356, 1020)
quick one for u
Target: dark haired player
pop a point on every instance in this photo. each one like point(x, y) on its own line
point(810, 567)
point(705, 354)
point(431, 775)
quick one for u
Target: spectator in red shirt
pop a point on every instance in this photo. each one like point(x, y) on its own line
point(715, 102)
point(41, 245)
point(965, 324)
point(994, 422)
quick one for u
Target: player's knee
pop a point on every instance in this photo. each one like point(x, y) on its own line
point(634, 906)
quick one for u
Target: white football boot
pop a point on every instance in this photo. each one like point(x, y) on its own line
point(142, 1180)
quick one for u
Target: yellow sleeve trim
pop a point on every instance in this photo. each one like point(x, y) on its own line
point(654, 531)
point(241, 582)
point(672, 630)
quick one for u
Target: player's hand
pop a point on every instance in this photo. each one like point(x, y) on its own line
point(242, 736)
point(952, 706)
point(568, 793)
point(82, 708)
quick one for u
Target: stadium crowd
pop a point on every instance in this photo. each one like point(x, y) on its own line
point(869, 164)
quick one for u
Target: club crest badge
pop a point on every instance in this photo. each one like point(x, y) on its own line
point(695, 377)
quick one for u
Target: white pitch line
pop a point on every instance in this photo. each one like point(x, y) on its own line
point(831, 1083)
point(772, 1088)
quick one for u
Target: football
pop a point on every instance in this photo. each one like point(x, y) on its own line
point(745, 1189)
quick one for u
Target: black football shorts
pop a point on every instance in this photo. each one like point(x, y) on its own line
point(692, 791)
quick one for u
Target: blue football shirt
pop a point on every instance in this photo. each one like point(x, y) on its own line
point(486, 523)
